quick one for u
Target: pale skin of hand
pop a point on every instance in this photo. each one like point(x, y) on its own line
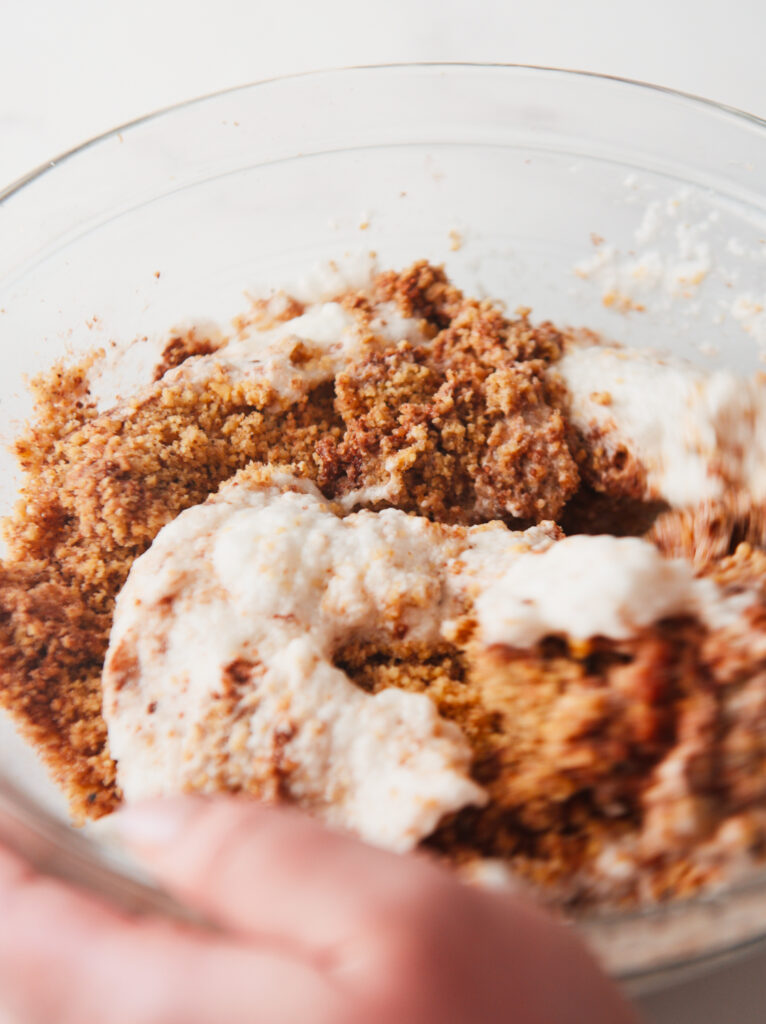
point(316, 928)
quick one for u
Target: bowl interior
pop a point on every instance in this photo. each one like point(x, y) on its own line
point(633, 211)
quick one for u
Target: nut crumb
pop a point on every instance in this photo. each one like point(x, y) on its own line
point(601, 397)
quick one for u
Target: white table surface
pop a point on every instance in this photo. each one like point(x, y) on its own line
point(71, 70)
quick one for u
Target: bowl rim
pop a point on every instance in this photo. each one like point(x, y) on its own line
point(609, 917)
point(693, 99)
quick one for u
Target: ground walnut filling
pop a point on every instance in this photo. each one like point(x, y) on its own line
point(398, 597)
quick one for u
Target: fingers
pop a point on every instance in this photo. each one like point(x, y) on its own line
point(412, 944)
point(480, 956)
point(386, 927)
point(67, 958)
point(273, 872)
point(557, 977)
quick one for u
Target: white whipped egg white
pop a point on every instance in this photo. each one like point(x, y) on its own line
point(698, 435)
point(228, 626)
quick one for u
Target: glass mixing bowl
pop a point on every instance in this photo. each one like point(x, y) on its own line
point(636, 211)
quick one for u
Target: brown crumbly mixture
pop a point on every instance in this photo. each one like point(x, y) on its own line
point(711, 531)
point(52, 646)
point(461, 430)
point(97, 491)
point(654, 747)
point(579, 735)
point(648, 749)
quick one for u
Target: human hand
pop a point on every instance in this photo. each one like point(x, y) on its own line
point(315, 927)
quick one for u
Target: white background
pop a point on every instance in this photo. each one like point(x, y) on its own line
point(70, 70)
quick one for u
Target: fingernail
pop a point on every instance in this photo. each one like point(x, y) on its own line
point(156, 823)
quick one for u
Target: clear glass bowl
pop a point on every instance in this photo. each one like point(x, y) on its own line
point(583, 197)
